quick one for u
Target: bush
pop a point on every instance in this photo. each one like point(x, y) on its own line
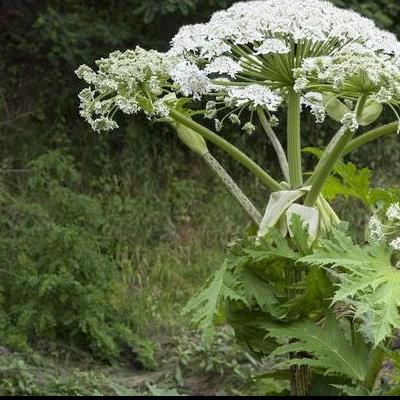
point(58, 281)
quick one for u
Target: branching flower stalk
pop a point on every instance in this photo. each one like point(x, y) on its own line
point(280, 152)
point(245, 64)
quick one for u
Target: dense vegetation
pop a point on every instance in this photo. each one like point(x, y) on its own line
point(103, 237)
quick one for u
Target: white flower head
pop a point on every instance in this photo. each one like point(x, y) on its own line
point(269, 46)
point(349, 121)
point(274, 121)
point(249, 128)
point(393, 212)
point(256, 22)
point(395, 243)
point(300, 84)
point(255, 95)
point(223, 65)
point(376, 232)
point(261, 45)
point(314, 101)
point(132, 81)
point(235, 119)
point(190, 79)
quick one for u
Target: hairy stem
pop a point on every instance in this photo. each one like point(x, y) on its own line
point(371, 135)
point(275, 143)
point(233, 151)
point(233, 188)
point(294, 139)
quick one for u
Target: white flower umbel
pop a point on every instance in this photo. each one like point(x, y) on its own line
point(349, 121)
point(255, 95)
point(223, 65)
point(395, 243)
point(253, 22)
point(308, 45)
point(130, 82)
point(314, 101)
point(376, 232)
point(393, 212)
point(352, 72)
point(190, 79)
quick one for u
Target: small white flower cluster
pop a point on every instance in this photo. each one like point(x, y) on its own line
point(395, 243)
point(353, 72)
point(393, 212)
point(272, 45)
point(384, 227)
point(240, 98)
point(314, 101)
point(255, 95)
point(376, 232)
point(190, 79)
point(349, 121)
point(223, 65)
point(129, 81)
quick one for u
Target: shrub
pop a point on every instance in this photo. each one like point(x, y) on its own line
point(59, 282)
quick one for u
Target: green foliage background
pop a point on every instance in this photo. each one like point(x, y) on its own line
point(103, 237)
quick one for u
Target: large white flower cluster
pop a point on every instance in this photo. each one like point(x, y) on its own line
point(384, 227)
point(261, 23)
point(284, 43)
point(129, 81)
point(250, 56)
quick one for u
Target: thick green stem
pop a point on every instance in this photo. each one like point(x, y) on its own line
point(374, 367)
point(233, 188)
point(234, 152)
point(371, 135)
point(330, 157)
point(324, 169)
point(294, 139)
point(300, 378)
point(275, 143)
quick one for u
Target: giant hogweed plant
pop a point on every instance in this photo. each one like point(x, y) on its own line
point(300, 292)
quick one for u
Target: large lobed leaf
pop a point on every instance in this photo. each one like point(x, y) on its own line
point(327, 346)
point(367, 282)
point(203, 307)
point(349, 181)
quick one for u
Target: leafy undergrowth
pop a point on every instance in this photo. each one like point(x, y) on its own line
point(187, 366)
point(63, 332)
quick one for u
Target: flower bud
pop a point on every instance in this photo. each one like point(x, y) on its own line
point(370, 113)
point(192, 139)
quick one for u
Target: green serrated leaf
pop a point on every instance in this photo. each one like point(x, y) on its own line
point(349, 182)
point(246, 324)
point(273, 246)
point(367, 281)
point(352, 390)
point(316, 292)
point(327, 345)
point(260, 291)
point(204, 306)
